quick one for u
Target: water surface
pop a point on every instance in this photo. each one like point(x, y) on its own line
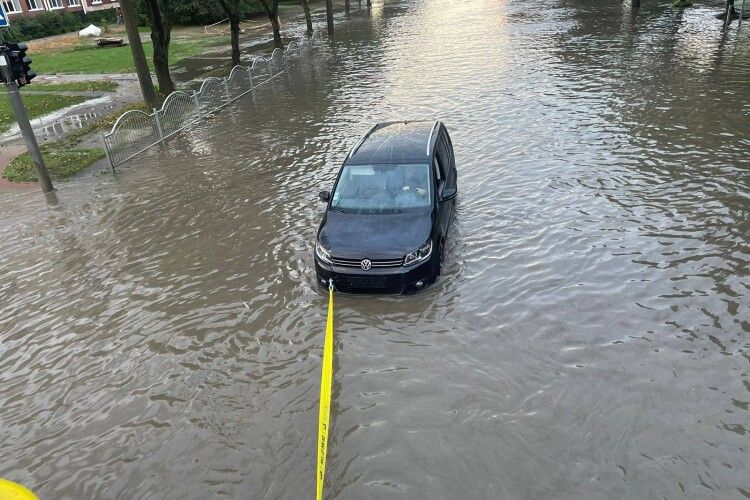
point(162, 331)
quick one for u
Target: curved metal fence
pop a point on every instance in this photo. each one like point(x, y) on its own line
point(136, 131)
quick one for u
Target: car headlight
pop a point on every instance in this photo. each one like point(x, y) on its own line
point(418, 255)
point(323, 254)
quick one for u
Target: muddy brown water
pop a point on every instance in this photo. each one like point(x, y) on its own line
point(161, 330)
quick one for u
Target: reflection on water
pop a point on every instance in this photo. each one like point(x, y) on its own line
point(162, 331)
point(66, 125)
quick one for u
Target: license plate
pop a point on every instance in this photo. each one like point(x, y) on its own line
point(366, 281)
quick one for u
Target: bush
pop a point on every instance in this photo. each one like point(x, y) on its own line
point(25, 28)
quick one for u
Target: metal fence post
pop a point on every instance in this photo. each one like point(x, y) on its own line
point(109, 156)
point(197, 105)
point(158, 126)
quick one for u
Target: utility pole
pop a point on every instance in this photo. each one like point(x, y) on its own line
point(9, 78)
point(139, 57)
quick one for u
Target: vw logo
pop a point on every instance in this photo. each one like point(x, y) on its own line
point(366, 264)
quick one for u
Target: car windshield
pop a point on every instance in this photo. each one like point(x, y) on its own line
point(383, 188)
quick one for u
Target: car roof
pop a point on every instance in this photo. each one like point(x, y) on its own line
point(395, 142)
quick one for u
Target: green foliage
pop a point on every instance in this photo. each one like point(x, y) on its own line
point(61, 163)
point(200, 12)
point(25, 28)
point(681, 4)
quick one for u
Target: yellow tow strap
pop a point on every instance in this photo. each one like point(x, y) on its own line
point(14, 491)
point(326, 377)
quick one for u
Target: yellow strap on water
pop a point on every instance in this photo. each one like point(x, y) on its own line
point(14, 491)
point(326, 377)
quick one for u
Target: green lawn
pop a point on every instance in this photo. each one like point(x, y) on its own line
point(66, 156)
point(98, 85)
point(36, 105)
point(61, 163)
point(92, 59)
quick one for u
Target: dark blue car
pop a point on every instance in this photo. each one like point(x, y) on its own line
point(387, 218)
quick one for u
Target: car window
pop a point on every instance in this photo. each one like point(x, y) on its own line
point(383, 188)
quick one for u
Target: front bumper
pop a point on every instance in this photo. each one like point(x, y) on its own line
point(398, 280)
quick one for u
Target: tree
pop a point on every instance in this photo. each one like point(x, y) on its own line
point(729, 13)
point(233, 9)
point(329, 16)
point(139, 58)
point(308, 19)
point(272, 11)
point(161, 31)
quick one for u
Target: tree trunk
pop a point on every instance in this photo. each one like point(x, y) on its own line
point(369, 4)
point(276, 32)
point(234, 28)
point(729, 13)
point(346, 7)
point(635, 4)
point(139, 57)
point(160, 36)
point(308, 19)
point(232, 10)
point(329, 16)
point(273, 15)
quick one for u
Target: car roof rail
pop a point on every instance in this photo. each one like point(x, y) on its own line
point(363, 139)
point(429, 139)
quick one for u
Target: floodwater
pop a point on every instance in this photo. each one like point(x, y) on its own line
point(162, 330)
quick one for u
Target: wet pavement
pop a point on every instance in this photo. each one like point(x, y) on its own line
point(162, 330)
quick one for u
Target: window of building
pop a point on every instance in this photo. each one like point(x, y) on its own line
point(34, 4)
point(54, 4)
point(74, 3)
point(11, 6)
point(96, 1)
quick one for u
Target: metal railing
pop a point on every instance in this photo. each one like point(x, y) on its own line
point(136, 131)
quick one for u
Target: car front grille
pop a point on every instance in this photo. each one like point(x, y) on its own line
point(379, 263)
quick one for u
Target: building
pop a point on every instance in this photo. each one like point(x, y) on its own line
point(15, 8)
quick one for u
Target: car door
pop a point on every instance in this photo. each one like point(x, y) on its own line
point(441, 163)
point(452, 173)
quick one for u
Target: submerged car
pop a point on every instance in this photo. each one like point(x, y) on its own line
point(387, 217)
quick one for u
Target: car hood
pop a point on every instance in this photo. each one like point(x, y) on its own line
point(374, 236)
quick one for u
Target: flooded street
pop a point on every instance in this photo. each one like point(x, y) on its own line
point(589, 338)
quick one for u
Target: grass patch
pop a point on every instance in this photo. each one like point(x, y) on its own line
point(66, 157)
point(36, 106)
point(91, 59)
point(92, 85)
point(61, 163)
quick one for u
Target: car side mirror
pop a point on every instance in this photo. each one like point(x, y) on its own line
point(325, 196)
point(448, 194)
